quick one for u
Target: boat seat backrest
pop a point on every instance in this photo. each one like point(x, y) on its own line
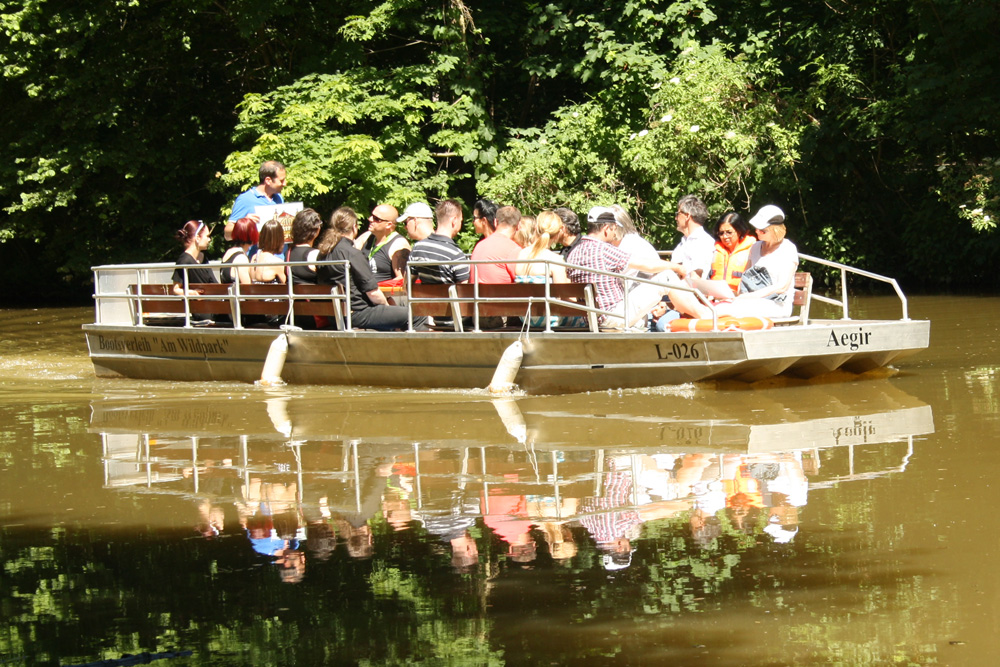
point(505, 300)
point(220, 299)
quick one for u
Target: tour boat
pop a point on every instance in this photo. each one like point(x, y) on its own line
point(143, 331)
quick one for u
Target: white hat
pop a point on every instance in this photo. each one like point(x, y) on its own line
point(416, 210)
point(596, 211)
point(766, 215)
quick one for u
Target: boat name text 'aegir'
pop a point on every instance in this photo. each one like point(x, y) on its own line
point(851, 340)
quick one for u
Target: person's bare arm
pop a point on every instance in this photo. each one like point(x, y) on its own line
point(377, 297)
point(655, 266)
point(399, 256)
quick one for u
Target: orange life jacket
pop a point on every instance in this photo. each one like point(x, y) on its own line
point(729, 266)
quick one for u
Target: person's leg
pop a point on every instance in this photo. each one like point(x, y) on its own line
point(688, 303)
point(385, 318)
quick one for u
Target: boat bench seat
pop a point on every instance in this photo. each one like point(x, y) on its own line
point(508, 300)
point(802, 299)
point(214, 299)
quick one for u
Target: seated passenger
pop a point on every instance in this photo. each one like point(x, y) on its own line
point(270, 242)
point(195, 237)
point(733, 242)
point(244, 235)
point(697, 247)
point(305, 229)
point(570, 233)
point(385, 248)
point(369, 307)
point(629, 239)
point(498, 246)
point(598, 250)
point(525, 228)
point(540, 238)
point(441, 247)
point(768, 284)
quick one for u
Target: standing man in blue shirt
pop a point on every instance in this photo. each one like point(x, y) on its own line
point(268, 193)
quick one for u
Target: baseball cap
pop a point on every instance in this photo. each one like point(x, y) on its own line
point(416, 210)
point(767, 215)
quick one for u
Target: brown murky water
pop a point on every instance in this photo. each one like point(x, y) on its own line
point(848, 521)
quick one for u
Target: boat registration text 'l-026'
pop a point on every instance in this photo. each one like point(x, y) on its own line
point(681, 351)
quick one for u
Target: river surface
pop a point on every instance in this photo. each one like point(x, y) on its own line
point(845, 521)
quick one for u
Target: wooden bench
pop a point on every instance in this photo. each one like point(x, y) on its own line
point(507, 300)
point(273, 300)
point(163, 306)
point(216, 299)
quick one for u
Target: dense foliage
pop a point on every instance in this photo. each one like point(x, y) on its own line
point(873, 123)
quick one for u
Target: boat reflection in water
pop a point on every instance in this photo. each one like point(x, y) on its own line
point(532, 477)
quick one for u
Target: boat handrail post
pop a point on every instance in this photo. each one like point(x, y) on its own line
point(237, 307)
point(409, 300)
point(843, 294)
point(548, 300)
point(347, 290)
point(97, 297)
point(475, 302)
point(187, 303)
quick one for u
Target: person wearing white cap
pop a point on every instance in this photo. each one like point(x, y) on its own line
point(419, 220)
point(768, 283)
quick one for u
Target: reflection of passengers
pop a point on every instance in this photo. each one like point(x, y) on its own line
point(507, 516)
point(269, 515)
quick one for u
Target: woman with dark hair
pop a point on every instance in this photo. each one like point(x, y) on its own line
point(195, 237)
point(369, 307)
point(270, 242)
point(305, 229)
point(244, 235)
point(733, 242)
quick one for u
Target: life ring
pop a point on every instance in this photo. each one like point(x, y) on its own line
point(725, 324)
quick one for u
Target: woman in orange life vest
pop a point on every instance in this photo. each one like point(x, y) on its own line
point(733, 241)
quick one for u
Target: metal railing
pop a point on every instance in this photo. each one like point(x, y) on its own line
point(476, 300)
point(112, 282)
point(844, 269)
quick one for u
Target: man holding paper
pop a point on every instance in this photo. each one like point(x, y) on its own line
point(267, 193)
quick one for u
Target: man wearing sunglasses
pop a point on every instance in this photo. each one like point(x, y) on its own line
point(384, 247)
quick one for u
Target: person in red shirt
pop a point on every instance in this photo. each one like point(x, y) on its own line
point(498, 246)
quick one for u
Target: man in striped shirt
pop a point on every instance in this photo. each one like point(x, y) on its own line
point(441, 247)
point(598, 250)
